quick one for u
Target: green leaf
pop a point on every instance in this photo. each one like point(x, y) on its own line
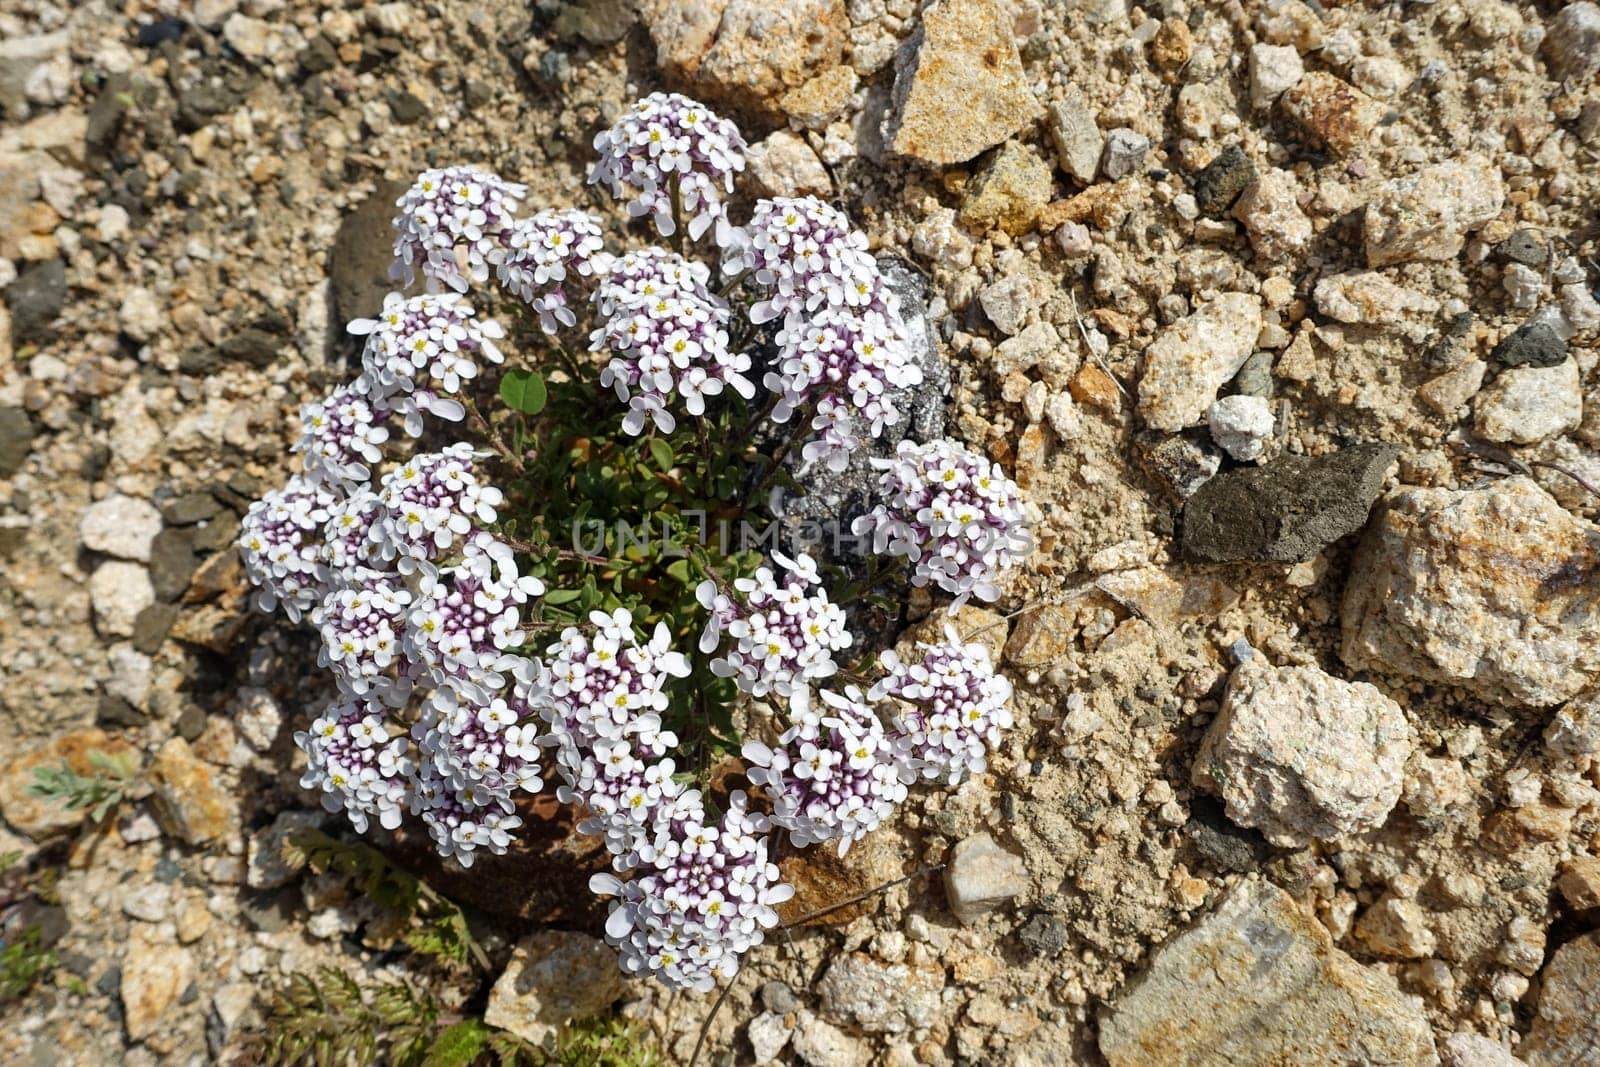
point(561, 596)
point(524, 391)
point(458, 1045)
point(661, 452)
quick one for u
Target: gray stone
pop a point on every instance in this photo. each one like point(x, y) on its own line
point(1259, 983)
point(594, 21)
point(1180, 465)
point(363, 248)
point(16, 440)
point(1287, 510)
point(1536, 344)
point(151, 903)
point(1525, 246)
point(1572, 45)
point(1125, 152)
point(1220, 182)
point(266, 869)
point(1466, 1049)
point(190, 508)
point(1222, 843)
point(1488, 589)
point(172, 563)
point(151, 626)
point(1078, 140)
point(778, 997)
point(1566, 1027)
point(981, 876)
point(1255, 377)
point(36, 299)
point(869, 995)
point(1525, 405)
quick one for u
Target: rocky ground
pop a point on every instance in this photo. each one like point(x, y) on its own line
point(1309, 675)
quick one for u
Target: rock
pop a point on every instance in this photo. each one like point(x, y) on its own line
point(1398, 928)
point(150, 903)
point(16, 440)
point(821, 100)
point(1274, 69)
point(251, 37)
point(1220, 182)
point(172, 563)
point(1180, 465)
point(1038, 345)
point(981, 876)
point(784, 165)
point(1523, 285)
point(1287, 510)
point(1526, 247)
point(1579, 882)
point(153, 977)
point(121, 526)
point(1428, 214)
point(131, 675)
point(1125, 152)
point(151, 626)
point(1270, 210)
point(20, 58)
point(1368, 298)
point(118, 592)
point(1566, 1026)
point(1303, 756)
point(1076, 134)
point(1194, 357)
point(1575, 729)
point(1528, 404)
point(140, 314)
point(1241, 426)
point(265, 867)
point(1467, 1049)
point(1572, 44)
point(1008, 193)
point(1008, 301)
point(779, 998)
point(745, 54)
point(1258, 983)
point(1331, 113)
point(959, 86)
point(820, 1044)
point(768, 1034)
point(1536, 344)
point(1489, 589)
point(363, 248)
point(36, 299)
point(822, 878)
point(554, 977)
point(598, 22)
point(1447, 393)
point(188, 801)
point(40, 816)
point(880, 998)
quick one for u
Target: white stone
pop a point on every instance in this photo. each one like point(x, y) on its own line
point(1466, 1049)
point(1241, 426)
point(130, 674)
point(1522, 284)
point(1274, 69)
point(1575, 729)
point(1427, 214)
point(1270, 210)
point(785, 165)
point(140, 314)
point(210, 14)
point(1485, 589)
point(120, 526)
point(1194, 357)
point(257, 716)
point(118, 591)
point(250, 37)
point(1008, 301)
point(554, 976)
point(151, 903)
point(1303, 756)
point(768, 1034)
point(821, 1044)
point(1368, 298)
point(1380, 76)
point(1525, 405)
point(1077, 136)
point(981, 876)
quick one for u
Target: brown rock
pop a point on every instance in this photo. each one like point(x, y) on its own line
point(39, 816)
point(1566, 1028)
point(189, 801)
point(820, 100)
point(1331, 112)
point(823, 879)
point(1579, 882)
point(554, 977)
point(1009, 193)
point(153, 978)
point(959, 86)
point(1096, 388)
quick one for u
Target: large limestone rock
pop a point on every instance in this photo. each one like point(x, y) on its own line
point(959, 86)
point(554, 977)
point(1496, 590)
point(1259, 983)
point(1428, 214)
point(1566, 1029)
point(745, 54)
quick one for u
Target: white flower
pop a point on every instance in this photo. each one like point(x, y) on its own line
point(452, 226)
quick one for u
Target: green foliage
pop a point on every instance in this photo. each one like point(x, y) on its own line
point(432, 925)
point(99, 792)
point(524, 391)
point(326, 1020)
point(22, 962)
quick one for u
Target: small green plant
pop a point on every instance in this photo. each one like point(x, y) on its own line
point(99, 791)
point(22, 961)
point(326, 1020)
point(433, 926)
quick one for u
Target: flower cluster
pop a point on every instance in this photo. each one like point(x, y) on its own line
point(425, 608)
point(668, 335)
point(278, 544)
point(668, 145)
point(844, 345)
point(952, 513)
point(953, 708)
point(834, 776)
point(541, 251)
point(452, 226)
point(784, 632)
point(421, 352)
